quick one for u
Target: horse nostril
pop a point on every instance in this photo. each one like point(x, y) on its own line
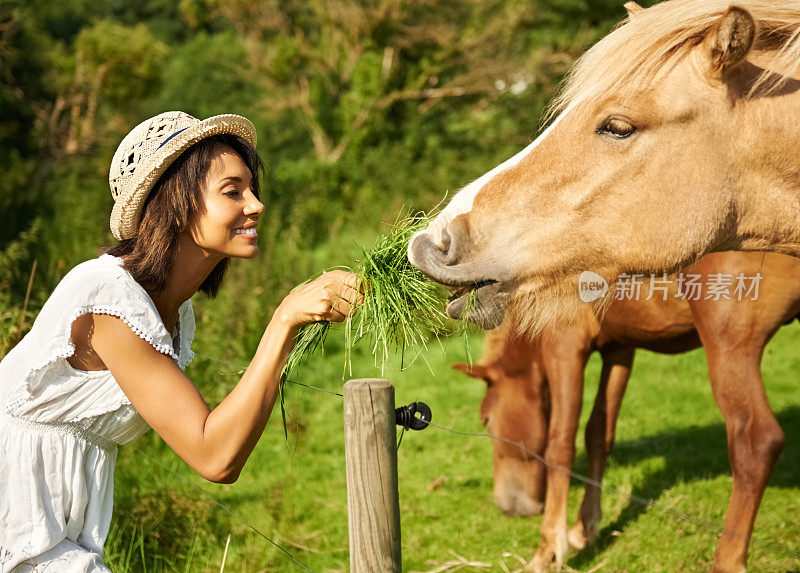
point(442, 241)
point(456, 236)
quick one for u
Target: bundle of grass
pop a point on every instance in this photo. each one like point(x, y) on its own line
point(401, 309)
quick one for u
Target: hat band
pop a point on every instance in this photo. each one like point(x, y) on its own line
point(163, 143)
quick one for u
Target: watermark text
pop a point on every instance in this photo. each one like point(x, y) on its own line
point(688, 286)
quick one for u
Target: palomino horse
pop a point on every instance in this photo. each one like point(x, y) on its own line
point(734, 334)
point(676, 135)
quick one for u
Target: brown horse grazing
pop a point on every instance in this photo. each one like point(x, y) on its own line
point(516, 407)
point(676, 135)
point(734, 334)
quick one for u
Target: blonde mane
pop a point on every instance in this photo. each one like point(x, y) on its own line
point(642, 45)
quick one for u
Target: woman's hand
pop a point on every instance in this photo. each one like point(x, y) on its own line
point(331, 297)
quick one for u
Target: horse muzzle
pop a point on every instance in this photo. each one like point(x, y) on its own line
point(476, 297)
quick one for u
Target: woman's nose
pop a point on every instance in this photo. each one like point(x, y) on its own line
point(254, 206)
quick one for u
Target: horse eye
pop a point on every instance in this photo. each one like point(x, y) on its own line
point(616, 127)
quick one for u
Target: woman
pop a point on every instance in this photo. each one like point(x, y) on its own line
point(104, 358)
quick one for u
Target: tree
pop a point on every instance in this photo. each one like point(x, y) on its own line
point(337, 64)
point(117, 64)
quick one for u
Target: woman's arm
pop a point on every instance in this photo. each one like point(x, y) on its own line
point(217, 443)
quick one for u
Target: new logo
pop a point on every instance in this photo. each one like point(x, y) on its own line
point(591, 286)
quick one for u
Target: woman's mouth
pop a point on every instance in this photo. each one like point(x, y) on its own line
point(251, 232)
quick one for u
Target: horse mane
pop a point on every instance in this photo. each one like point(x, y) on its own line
point(494, 345)
point(641, 45)
point(502, 346)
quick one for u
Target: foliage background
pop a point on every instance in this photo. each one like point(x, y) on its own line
point(362, 107)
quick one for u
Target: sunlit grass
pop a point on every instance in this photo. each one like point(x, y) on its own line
point(402, 309)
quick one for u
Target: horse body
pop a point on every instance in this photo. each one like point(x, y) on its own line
point(526, 380)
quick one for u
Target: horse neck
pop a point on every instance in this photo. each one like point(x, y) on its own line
point(767, 190)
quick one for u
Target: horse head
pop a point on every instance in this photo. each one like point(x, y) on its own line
point(514, 409)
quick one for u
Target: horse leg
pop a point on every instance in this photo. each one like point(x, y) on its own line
point(755, 440)
point(564, 359)
point(600, 433)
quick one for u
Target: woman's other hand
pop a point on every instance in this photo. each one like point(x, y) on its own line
point(331, 297)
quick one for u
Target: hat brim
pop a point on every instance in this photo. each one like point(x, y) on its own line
point(128, 208)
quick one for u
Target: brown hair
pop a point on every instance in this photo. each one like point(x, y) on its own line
point(176, 196)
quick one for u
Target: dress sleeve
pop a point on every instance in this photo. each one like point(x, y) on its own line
point(106, 291)
point(100, 286)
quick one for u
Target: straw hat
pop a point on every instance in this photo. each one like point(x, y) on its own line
point(149, 149)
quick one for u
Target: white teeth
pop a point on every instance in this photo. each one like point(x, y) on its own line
point(246, 231)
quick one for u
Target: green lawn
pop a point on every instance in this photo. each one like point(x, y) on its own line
point(670, 447)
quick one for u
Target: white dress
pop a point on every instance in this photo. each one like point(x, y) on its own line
point(59, 427)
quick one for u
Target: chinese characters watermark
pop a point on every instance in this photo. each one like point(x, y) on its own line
point(688, 286)
point(717, 286)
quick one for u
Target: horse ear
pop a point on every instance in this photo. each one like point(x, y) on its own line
point(632, 8)
point(730, 40)
point(472, 370)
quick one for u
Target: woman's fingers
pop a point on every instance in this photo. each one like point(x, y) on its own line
point(333, 296)
point(345, 304)
point(343, 285)
point(349, 294)
point(345, 294)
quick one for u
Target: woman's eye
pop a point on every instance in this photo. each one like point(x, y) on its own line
point(231, 193)
point(616, 127)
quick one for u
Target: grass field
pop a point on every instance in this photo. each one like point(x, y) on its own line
point(670, 447)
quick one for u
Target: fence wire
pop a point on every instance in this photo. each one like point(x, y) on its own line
point(705, 524)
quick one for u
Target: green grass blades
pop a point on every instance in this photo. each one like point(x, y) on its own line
point(402, 309)
point(310, 339)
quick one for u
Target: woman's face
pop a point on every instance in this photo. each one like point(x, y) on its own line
point(227, 225)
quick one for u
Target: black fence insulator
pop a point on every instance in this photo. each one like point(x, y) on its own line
point(415, 416)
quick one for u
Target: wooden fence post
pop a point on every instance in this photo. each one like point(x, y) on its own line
point(373, 507)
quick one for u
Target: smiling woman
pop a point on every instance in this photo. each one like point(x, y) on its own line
point(105, 357)
point(212, 178)
point(228, 228)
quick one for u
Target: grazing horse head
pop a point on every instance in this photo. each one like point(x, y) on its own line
point(516, 408)
point(675, 135)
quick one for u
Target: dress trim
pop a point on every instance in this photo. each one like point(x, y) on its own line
point(162, 348)
point(103, 443)
point(63, 347)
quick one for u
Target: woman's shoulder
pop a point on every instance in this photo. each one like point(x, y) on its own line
point(100, 284)
point(103, 286)
point(104, 266)
point(103, 273)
